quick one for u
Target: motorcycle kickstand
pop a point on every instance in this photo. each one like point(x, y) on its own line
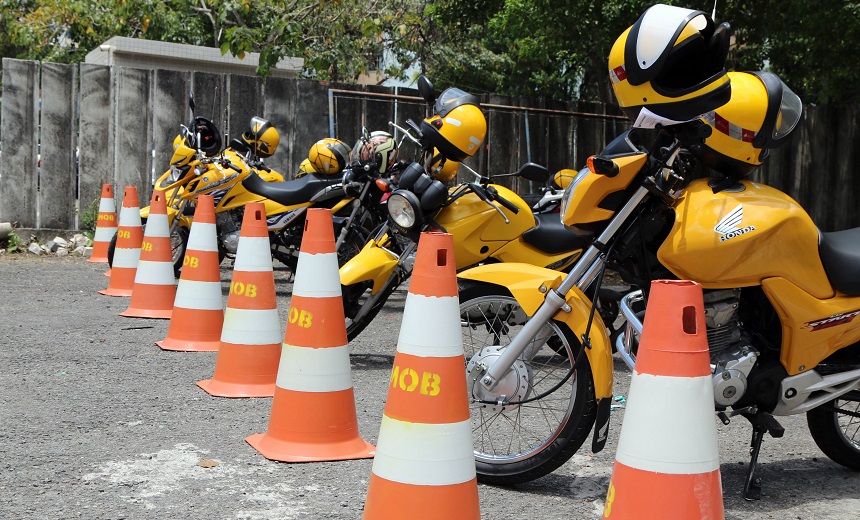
point(762, 422)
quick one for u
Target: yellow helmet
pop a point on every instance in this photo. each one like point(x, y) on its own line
point(670, 63)
point(305, 168)
point(329, 156)
point(458, 128)
point(261, 137)
point(564, 177)
point(440, 168)
point(761, 114)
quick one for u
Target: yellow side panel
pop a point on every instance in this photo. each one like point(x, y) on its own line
point(593, 188)
point(812, 328)
point(372, 263)
point(738, 239)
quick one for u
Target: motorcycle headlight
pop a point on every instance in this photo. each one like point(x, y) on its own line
point(404, 208)
point(568, 192)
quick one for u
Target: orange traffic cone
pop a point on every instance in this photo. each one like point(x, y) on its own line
point(129, 237)
point(424, 461)
point(313, 413)
point(667, 461)
point(154, 283)
point(105, 225)
point(198, 310)
point(250, 347)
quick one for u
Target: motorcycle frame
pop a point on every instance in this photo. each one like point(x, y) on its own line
point(583, 273)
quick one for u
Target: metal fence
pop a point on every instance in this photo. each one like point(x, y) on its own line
point(67, 129)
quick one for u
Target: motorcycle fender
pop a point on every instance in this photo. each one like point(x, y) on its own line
point(524, 282)
point(372, 263)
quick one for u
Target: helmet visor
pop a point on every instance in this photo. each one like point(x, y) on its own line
point(790, 110)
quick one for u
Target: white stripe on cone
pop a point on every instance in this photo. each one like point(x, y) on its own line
point(202, 237)
point(251, 327)
point(319, 277)
point(445, 341)
point(129, 216)
point(424, 454)
point(107, 205)
point(157, 226)
point(256, 255)
point(127, 258)
point(314, 369)
point(154, 273)
point(104, 234)
point(193, 294)
point(661, 439)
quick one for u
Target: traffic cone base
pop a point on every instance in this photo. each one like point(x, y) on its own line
point(247, 363)
point(637, 494)
point(196, 335)
point(328, 429)
point(313, 414)
point(197, 318)
point(149, 291)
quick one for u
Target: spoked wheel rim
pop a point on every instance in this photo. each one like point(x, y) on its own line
point(522, 426)
point(847, 419)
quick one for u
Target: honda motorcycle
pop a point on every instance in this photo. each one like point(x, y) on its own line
point(780, 298)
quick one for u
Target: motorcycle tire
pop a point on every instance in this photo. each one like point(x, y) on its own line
point(550, 417)
point(835, 428)
point(178, 242)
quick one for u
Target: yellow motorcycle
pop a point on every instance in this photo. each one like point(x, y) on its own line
point(780, 296)
point(489, 222)
point(237, 175)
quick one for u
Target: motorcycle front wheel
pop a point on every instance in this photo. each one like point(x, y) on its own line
point(178, 242)
point(542, 411)
point(835, 428)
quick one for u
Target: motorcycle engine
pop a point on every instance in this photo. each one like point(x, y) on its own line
point(732, 353)
point(229, 225)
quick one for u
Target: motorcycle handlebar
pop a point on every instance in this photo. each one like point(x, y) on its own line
point(503, 201)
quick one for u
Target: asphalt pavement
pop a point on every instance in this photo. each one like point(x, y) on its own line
point(97, 422)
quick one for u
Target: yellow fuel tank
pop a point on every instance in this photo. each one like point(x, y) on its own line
point(741, 236)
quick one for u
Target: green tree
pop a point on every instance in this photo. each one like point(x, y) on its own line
point(66, 30)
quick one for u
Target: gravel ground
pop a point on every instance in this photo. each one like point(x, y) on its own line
point(97, 422)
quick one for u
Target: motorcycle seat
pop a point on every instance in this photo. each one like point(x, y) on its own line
point(840, 255)
point(550, 236)
point(289, 193)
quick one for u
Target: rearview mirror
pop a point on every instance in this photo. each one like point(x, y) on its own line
point(533, 172)
point(425, 88)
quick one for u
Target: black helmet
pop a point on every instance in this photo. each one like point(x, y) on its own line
point(203, 135)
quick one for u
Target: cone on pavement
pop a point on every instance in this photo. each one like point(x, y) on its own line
point(154, 286)
point(313, 414)
point(105, 225)
point(667, 461)
point(129, 237)
point(198, 310)
point(424, 461)
point(250, 346)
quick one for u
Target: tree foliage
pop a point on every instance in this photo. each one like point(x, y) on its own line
point(551, 48)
